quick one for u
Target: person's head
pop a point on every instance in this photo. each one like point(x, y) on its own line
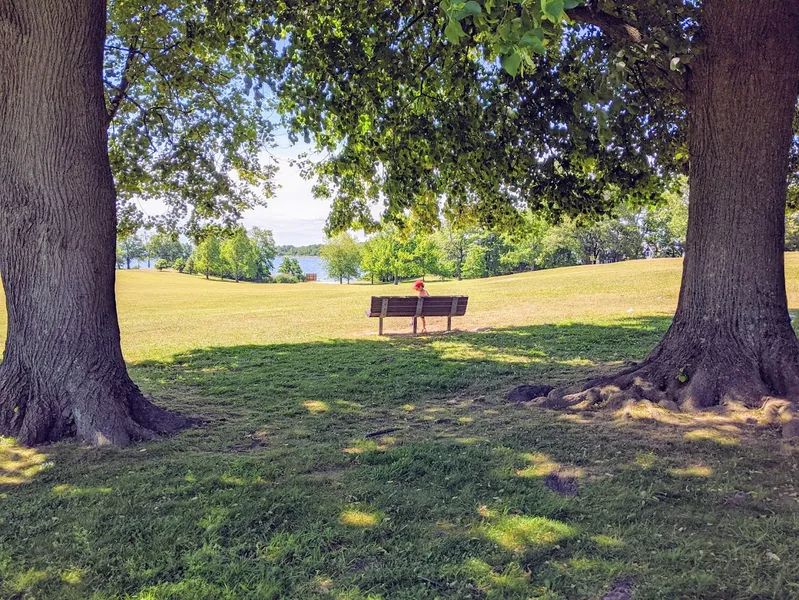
point(419, 285)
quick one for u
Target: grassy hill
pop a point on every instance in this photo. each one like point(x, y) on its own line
point(332, 463)
point(165, 313)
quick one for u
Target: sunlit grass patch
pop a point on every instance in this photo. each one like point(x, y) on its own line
point(316, 406)
point(512, 578)
point(540, 465)
point(712, 435)
point(73, 576)
point(19, 464)
point(607, 541)
point(468, 441)
point(516, 532)
point(361, 446)
point(65, 489)
point(360, 518)
point(692, 471)
point(645, 460)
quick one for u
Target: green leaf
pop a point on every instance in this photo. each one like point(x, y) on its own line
point(471, 9)
point(553, 9)
point(532, 41)
point(511, 63)
point(567, 4)
point(454, 32)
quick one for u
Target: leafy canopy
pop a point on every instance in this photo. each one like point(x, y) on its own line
point(186, 109)
point(489, 106)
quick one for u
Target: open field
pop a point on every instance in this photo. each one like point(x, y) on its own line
point(290, 490)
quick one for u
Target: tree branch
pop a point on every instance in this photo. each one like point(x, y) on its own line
point(621, 31)
point(614, 26)
point(124, 84)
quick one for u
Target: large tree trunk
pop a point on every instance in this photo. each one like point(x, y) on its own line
point(731, 340)
point(63, 373)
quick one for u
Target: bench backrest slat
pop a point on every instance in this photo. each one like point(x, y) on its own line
point(406, 306)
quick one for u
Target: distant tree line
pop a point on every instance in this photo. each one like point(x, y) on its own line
point(397, 253)
point(309, 250)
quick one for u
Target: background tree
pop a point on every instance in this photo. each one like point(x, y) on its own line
point(130, 248)
point(590, 98)
point(166, 246)
point(291, 266)
point(179, 265)
point(239, 255)
point(265, 251)
point(370, 260)
point(161, 264)
point(342, 257)
point(207, 257)
point(452, 245)
point(191, 267)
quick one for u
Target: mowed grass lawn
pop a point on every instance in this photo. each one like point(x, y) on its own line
point(332, 463)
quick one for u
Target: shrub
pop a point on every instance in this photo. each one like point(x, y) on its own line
point(190, 267)
point(282, 278)
point(179, 264)
point(161, 264)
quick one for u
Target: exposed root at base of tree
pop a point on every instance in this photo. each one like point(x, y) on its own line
point(104, 410)
point(692, 386)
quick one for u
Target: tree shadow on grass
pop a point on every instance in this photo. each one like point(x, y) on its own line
point(290, 490)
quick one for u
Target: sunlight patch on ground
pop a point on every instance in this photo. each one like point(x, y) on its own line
point(513, 576)
point(72, 576)
point(645, 460)
point(468, 441)
point(517, 533)
point(466, 351)
point(66, 489)
point(541, 465)
point(360, 518)
point(607, 541)
point(323, 584)
point(711, 435)
point(361, 446)
point(316, 407)
point(692, 471)
point(19, 464)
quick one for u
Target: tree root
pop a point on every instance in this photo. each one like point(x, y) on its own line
point(695, 384)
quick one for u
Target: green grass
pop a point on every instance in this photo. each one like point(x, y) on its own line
point(282, 493)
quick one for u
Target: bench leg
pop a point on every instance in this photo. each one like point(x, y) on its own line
point(414, 326)
point(380, 328)
point(449, 323)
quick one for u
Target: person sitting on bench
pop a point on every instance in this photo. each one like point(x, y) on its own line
point(422, 293)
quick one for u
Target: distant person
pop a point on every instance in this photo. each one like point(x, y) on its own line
point(422, 293)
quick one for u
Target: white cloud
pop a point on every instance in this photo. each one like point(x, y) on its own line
point(293, 214)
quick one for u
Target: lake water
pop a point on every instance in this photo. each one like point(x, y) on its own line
point(308, 264)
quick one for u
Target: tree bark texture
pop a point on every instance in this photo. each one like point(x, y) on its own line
point(731, 339)
point(63, 373)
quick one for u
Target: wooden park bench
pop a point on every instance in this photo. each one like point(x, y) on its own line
point(414, 306)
